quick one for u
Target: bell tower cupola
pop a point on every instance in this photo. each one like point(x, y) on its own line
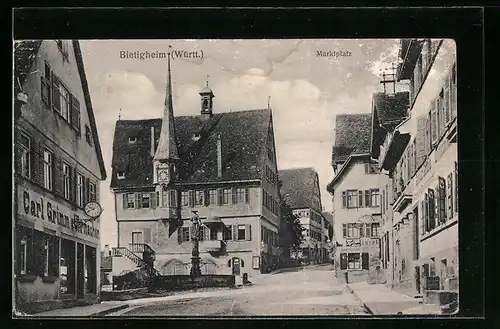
point(207, 101)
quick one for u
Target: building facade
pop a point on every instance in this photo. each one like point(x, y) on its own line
point(356, 198)
point(222, 165)
point(300, 190)
point(58, 169)
point(421, 155)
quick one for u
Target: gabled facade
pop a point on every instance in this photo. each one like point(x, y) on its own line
point(58, 169)
point(222, 165)
point(356, 197)
point(300, 190)
point(421, 248)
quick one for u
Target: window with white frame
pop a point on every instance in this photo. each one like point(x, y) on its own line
point(130, 200)
point(199, 198)
point(185, 198)
point(352, 198)
point(146, 200)
point(79, 190)
point(23, 252)
point(374, 198)
point(66, 180)
point(354, 261)
point(212, 196)
point(61, 99)
point(92, 191)
point(240, 195)
point(226, 196)
point(25, 155)
point(48, 169)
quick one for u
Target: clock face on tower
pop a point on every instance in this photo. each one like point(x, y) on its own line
point(163, 175)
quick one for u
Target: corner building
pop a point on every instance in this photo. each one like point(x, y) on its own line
point(356, 198)
point(58, 168)
point(222, 165)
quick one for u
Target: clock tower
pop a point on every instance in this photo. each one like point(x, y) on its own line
point(166, 158)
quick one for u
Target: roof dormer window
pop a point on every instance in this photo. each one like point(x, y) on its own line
point(132, 140)
point(120, 175)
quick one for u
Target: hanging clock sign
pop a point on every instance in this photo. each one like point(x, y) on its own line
point(93, 209)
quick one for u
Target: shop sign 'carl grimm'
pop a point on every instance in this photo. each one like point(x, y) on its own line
point(38, 207)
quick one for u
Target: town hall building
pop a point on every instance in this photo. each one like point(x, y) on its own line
point(221, 165)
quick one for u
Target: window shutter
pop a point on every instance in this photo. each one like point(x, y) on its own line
point(421, 212)
point(362, 230)
point(432, 209)
point(344, 199)
point(449, 196)
point(344, 230)
point(75, 113)
point(58, 176)
point(179, 234)
point(442, 199)
point(447, 105)
point(343, 261)
point(138, 197)
point(147, 234)
point(56, 99)
point(234, 229)
point(364, 261)
point(247, 195)
point(433, 118)
point(426, 212)
point(73, 187)
point(248, 232)
point(206, 197)
point(360, 199)
point(453, 89)
point(152, 198)
point(125, 201)
point(420, 141)
point(86, 190)
point(233, 197)
point(456, 187)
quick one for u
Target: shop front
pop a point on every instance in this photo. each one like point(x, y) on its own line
point(56, 259)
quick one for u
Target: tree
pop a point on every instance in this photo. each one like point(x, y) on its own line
point(290, 231)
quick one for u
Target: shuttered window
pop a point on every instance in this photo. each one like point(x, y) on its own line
point(433, 118)
point(80, 190)
point(432, 209)
point(344, 199)
point(449, 195)
point(442, 199)
point(146, 200)
point(453, 91)
point(226, 196)
point(46, 86)
point(367, 199)
point(360, 198)
point(200, 198)
point(75, 113)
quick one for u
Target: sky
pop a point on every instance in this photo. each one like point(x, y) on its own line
point(306, 91)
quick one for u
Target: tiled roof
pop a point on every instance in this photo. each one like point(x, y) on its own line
point(388, 111)
point(298, 187)
point(243, 135)
point(391, 109)
point(24, 56)
point(352, 136)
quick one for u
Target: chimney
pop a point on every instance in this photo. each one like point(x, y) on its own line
point(152, 141)
point(219, 156)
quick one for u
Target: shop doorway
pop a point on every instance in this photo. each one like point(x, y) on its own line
point(90, 269)
point(67, 268)
point(80, 270)
point(236, 266)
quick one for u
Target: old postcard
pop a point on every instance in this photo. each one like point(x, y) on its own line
point(235, 177)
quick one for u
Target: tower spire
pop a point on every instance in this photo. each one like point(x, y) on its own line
point(167, 146)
